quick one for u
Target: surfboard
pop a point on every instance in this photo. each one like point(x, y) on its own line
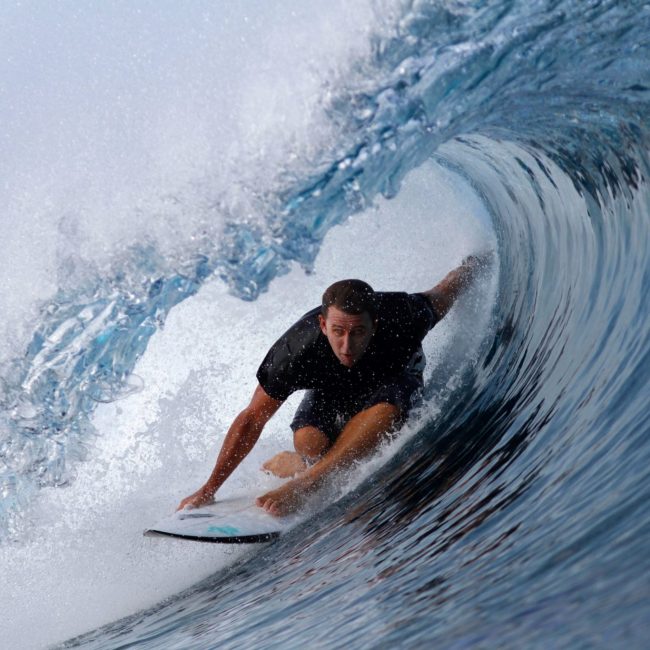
point(235, 520)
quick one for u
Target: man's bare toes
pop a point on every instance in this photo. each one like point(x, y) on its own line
point(284, 464)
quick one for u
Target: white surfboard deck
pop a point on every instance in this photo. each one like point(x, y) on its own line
point(236, 520)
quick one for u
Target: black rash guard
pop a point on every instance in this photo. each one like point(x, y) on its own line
point(302, 357)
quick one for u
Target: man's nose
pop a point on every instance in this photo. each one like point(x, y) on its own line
point(346, 343)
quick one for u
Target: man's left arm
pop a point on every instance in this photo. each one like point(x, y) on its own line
point(445, 293)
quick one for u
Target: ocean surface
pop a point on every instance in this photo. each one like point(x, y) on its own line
point(180, 181)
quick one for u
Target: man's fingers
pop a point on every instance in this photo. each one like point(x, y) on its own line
point(268, 504)
point(194, 501)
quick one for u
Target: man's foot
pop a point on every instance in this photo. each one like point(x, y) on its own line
point(285, 464)
point(286, 499)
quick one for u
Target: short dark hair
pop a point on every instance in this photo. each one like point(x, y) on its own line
point(350, 296)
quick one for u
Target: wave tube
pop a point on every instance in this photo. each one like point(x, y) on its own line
point(518, 514)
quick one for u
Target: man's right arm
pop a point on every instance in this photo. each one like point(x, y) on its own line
point(240, 439)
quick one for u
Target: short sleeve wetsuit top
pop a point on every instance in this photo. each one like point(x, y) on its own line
point(302, 358)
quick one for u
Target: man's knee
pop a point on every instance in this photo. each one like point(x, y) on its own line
point(310, 442)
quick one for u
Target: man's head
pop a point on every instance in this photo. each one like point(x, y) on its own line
point(348, 319)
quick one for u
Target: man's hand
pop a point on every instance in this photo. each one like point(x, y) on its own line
point(200, 498)
point(445, 293)
point(240, 439)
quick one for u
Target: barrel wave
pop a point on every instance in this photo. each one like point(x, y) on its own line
point(515, 511)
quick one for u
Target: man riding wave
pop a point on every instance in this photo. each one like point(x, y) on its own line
point(359, 357)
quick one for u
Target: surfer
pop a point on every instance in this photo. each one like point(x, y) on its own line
point(360, 359)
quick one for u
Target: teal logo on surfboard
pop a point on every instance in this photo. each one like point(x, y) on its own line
point(224, 530)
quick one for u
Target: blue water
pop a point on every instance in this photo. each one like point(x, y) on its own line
point(517, 515)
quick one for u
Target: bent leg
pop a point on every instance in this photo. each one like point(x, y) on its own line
point(310, 444)
point(360, 436)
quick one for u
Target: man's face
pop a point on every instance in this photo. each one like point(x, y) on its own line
point(348, 334)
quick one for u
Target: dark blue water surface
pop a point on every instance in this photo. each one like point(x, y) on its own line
point(520, 517)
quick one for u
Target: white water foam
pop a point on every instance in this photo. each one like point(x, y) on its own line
point(124, 123)
point(86, 562)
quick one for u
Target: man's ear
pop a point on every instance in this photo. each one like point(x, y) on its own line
point(323, 326)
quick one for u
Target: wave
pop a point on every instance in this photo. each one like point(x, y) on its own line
point(517, 514)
